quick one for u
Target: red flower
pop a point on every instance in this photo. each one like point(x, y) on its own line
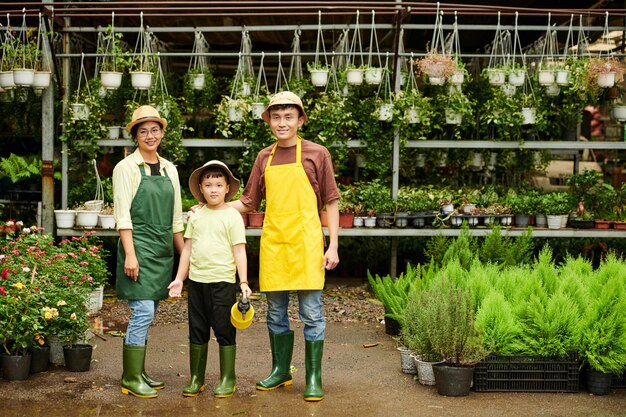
point(5, 273)
point(2, 291)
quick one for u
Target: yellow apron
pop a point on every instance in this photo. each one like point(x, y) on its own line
point(292, 242)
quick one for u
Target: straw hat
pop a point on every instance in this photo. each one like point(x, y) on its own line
point(284, 97)
point(194, 181)
point(145, 114)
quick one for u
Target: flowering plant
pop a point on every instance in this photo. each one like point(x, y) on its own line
point(437, 65)
point(19, 315)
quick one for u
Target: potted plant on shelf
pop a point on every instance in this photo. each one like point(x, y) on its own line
point(114, 60)
point(557, 206)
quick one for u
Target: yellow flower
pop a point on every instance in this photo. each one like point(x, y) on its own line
point(47, 314)
point(19, 285)
point(73, 316)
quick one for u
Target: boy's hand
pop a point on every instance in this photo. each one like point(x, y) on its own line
point(175, 288)
point(245, 290)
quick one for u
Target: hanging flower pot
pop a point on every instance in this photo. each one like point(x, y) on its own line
point(619, 113)
point(453, 118)
point(508, 89)
point(110, 79)
point(373, 76)
point(6, 80)
point(41, 80)
point(553, 90)
point(385, 112)
point(197, 81)
point(420, 160)
point(562, 77)
point(23, 77)
point(434, 80)
point(496, 76)
point(354, 76)
point(245, 89)
point(528, 113)
point(545, 77)
point(80, 111)
point(235, 111)
point(604, 79)
point(257, 109)
point(319, 77)
point(411, 115)
point(141, 80)
point(457, 78)
point(86, 218)
point(517, 77)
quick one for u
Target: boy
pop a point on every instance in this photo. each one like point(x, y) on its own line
point(296, 178)
point(214, 250)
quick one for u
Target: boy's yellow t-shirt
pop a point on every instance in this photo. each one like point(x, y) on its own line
point(213, 234)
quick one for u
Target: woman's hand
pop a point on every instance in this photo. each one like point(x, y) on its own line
point(193, 209)
point(131, 267)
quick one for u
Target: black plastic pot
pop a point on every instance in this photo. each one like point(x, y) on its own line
point(40, 359)
point(453, 381)
point(15, 367)
point(598, 383)
point(77, 357)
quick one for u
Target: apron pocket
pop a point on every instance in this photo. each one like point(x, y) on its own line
point(281, 228)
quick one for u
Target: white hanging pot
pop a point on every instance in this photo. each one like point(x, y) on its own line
point(496, 76)
point(41, 81)
point(197, 81)
point(477, 163)
point(114, 132)
point(619, 113)
point(110, 79)
point(6, 80)
point(385, 112)
point(141, 80)
point(257, 109)
point(553, 90)
point(453, 118)
point(373, 76)
point(319, 78)
point(545, 77)
point(517, 77)
point(80, 111)
point(360, 160)
point(562, 77)
point(235, 112)
point(605, 79)
point(411, 115)
point(434, 80)
point(493, 159)
point(23, 77)
point(420, 160)
point(245, 89)
point(457, 78)
point(528, 113)
point(354, 77)
point(125, 133)
point(508, 89)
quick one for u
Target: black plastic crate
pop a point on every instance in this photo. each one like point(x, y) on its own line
point(618, 381)
point(527, 373)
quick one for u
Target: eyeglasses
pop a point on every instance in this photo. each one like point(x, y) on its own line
point(155, 132)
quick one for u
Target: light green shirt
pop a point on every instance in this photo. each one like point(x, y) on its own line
point(126, 179)
point(213, 234)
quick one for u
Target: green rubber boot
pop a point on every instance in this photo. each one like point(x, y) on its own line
point(313, 352)
point(226, 387)
point(282, 350)
point(197, 367)
point(149, 380)
point(132, 382)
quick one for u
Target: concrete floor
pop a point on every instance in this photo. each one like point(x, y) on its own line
point(358, 381)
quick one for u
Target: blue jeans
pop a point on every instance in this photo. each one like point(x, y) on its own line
point(310, 303)
point(141, 316)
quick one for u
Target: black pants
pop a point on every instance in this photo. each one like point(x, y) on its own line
point(209, 308)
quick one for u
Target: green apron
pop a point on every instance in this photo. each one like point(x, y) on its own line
point(151, 212)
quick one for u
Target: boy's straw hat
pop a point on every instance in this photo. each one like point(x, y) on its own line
point(145, 114)
point(194, 181)
point(284, 97)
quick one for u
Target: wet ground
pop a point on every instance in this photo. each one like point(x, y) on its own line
point(358, 381)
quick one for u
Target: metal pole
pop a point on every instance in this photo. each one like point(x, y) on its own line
point(47, 145)
point(65, 88)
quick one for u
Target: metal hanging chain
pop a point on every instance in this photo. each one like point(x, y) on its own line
point(411, 84)
point(261, 78)
point(355, 39)
point(437, 43)
point(569, 39)
point(385, 83)
point(373, 43)
point(295, 68)
point(280, 76)
point(342, 47)
point(332, 76)
point(517, 44)
point(82, 74)
point(200, 47)
point(605, 36)
point(320, 41)
point(547, 51)
point(583, 43)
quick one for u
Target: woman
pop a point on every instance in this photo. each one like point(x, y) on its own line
point(148, 213)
